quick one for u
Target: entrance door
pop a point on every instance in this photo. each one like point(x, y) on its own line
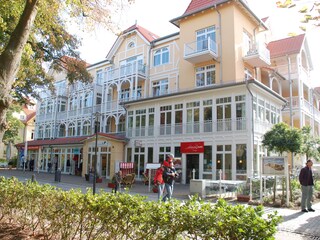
point(105, 165)
point(192, 163)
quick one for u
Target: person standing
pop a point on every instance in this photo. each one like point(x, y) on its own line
point(158, 180)
point(118, 180)
point(169, 175)
point(306, 181)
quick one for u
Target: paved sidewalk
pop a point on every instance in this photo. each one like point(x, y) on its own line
point(295, 225)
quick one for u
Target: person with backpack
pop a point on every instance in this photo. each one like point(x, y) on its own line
point(158, 181)
point(169, 175)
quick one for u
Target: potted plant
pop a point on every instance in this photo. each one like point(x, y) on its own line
point(243, 193)
point(112, 184)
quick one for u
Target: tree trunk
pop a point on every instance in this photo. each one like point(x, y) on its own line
point(11, 57)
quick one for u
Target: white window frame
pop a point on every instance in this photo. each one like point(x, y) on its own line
point(161, 56)
point(202, 75)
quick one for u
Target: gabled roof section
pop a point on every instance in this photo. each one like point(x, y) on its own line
point(30, 114)
point(196, 6)
point(146, 34)
point(286, 46)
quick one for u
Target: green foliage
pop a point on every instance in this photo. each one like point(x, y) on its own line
point(14, 125)
point(310, 143)
point(281, 138)
point(60, 214)
point(295, 185)
point(309, 10)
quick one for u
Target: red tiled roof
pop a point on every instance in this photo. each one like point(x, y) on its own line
point(67, 140)
point(196, 5)
point(146, 33)
point(286, 46)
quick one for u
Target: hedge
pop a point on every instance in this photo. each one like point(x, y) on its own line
point(58, 214)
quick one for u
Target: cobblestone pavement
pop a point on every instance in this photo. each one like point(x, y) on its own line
point(295, 226)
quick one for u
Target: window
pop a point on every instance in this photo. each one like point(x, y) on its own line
point(205, 36)
point(151, 121)
point(193, 115)
point(99, 77)
point(73, 103)
point(88, 100)
point(50, 106)
point(224, 114)
point(241, 112)
point(131, 45)
point(130, 123)
point(71, 130)
point(207, 159)
point(178, 118)
point(160, 88)
point(140, 122)
point(224, 162)
point(205, 76)
point(207, 115)
point(247, 74)
point(62, 130)
point(241, 151)
point(61, 105)
point(86, 129)
point(47, 133)
point(161, 56)
point(247, 42)
point(165, 120)
point(40, 132)
point(99, 98)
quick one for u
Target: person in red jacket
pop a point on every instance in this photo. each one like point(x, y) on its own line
point(158, 180)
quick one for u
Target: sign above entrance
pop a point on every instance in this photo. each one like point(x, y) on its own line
point(192, 147)
point(101, 144)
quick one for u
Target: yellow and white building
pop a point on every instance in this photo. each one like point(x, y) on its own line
point(207, 93)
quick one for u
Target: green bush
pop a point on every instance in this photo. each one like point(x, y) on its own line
point(58, 214)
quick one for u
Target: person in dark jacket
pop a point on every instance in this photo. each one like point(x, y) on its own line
point(169, 175)
point(306, 181)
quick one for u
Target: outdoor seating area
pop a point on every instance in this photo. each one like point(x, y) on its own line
point(128, 180)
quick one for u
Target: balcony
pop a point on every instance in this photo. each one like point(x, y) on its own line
point(201, 51)
point(258, 55)
point(126, 71)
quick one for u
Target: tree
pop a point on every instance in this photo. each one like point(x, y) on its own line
point(34, 32)
point(310, 10)
point(281, 138)
point(310, 143)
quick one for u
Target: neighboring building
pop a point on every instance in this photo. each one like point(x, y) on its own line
point(27, 117)
point(207, 94)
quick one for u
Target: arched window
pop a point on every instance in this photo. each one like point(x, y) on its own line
point(131, 45)
point(161, 56)
point(71, 130)
point(62, 130)
point(86, 129)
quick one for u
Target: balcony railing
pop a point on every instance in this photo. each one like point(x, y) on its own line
point(305, 106)
point(125, 71)
point(258, 55)
point(190, 128)
point(201, 51)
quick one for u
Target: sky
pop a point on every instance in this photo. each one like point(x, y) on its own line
point(156, 15)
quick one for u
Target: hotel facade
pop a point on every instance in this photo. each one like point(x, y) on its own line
point(207, 94)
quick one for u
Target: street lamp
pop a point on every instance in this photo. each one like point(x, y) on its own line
point(96, 129)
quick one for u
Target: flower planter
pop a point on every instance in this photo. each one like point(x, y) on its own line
point(243, 198)
point(98, 180)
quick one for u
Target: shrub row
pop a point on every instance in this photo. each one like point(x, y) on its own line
point(59, 214)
